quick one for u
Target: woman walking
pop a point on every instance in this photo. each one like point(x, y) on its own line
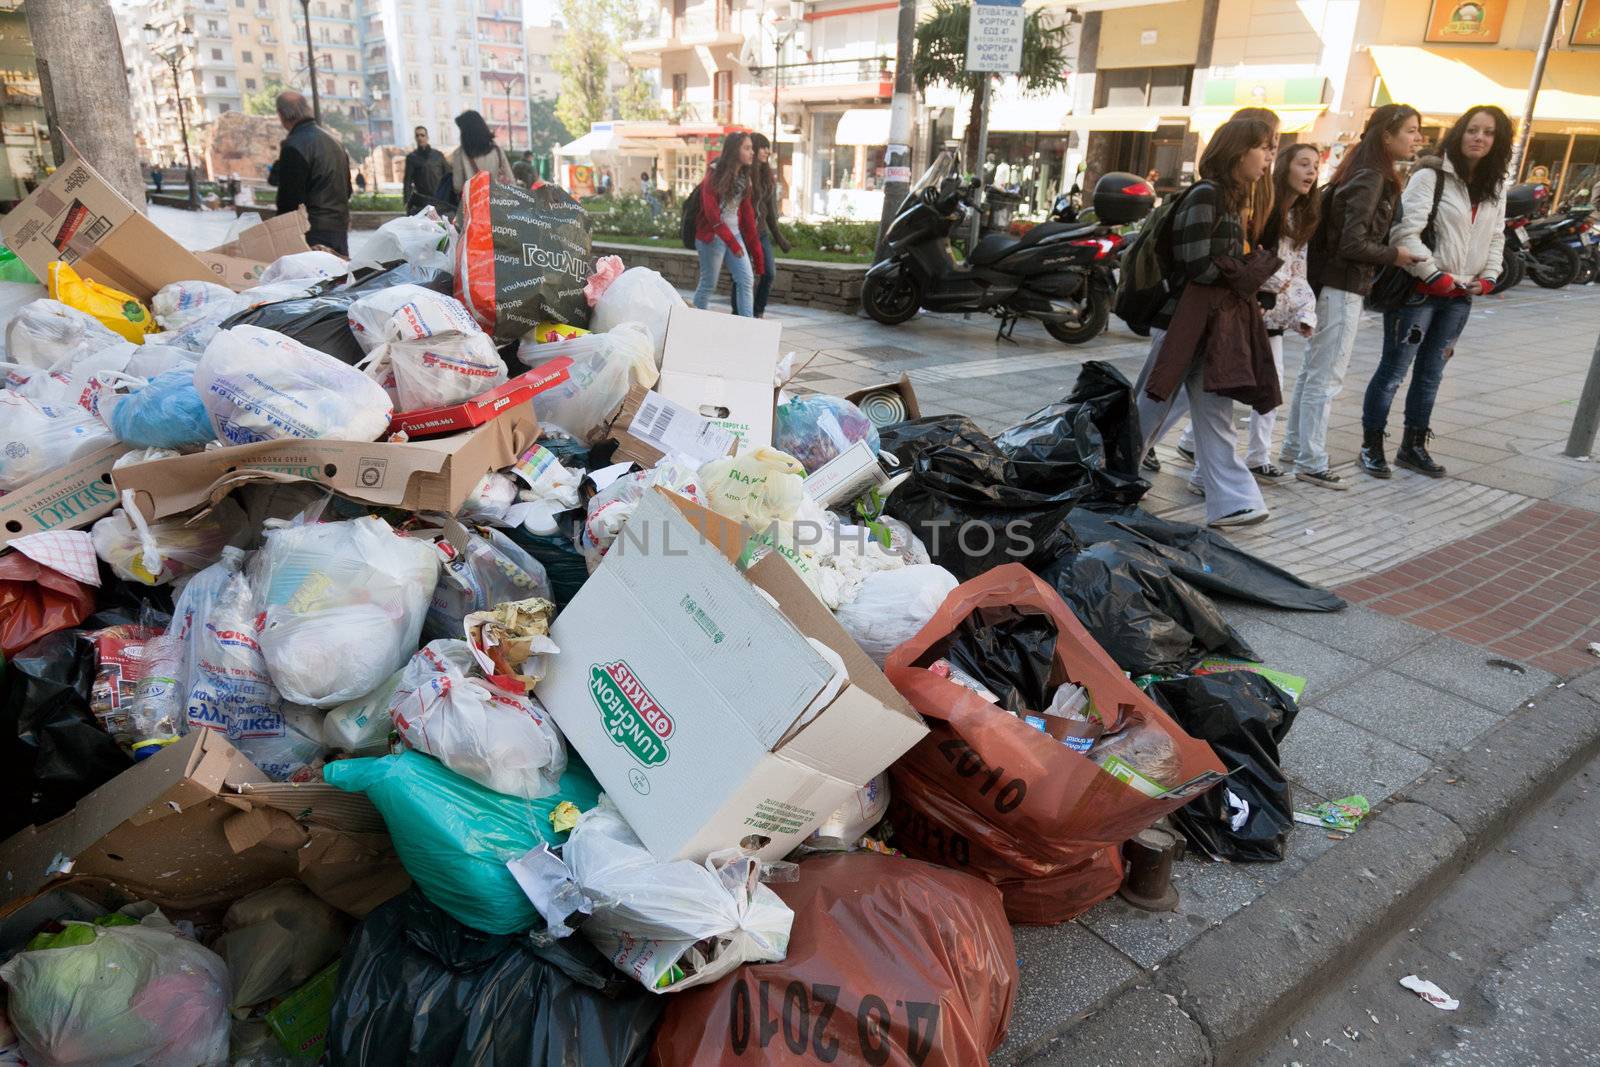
point(727, 226)
point(478, 152)
point(1468, 235)
point(765, 194)
point(1357, 208)
point(1191, 347)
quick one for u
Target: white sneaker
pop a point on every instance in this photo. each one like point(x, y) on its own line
point(1196, 488)
point(1242, 517)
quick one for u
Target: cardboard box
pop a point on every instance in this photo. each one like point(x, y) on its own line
point(648, 425)
point(845, 476)
point(435, 474)
point(238, 263)
point(77, 217)
point(65, 499)
point(722, 367)
point(901, 389)
point(453, 418)
point(687, 692)
point(173, 829)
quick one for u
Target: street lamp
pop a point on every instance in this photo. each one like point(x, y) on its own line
point(784, 27)
point(183, 39)
point(311, 62)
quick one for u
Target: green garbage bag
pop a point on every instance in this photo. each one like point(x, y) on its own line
point(13, 269)
point(455, 837)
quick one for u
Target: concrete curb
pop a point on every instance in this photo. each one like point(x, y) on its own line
point(1227, 994)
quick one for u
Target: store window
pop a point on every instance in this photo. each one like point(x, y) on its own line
point(1144, 87)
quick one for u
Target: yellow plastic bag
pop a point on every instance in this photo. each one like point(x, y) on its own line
point(759, 487)
point(116, 310)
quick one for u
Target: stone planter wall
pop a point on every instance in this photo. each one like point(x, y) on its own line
point(835, 286)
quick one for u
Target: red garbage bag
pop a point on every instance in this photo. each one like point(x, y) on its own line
point(35, 601)
point(891, 961)
point(988, 793)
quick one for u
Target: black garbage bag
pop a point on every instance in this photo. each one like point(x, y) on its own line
point(1244, 718)
point(908, 440)
point(319, 321)
point(1089, 436)
point(1205, 558)
point(1010, 652)
point(1146, 617)
point(52, 751)
point(417, 987)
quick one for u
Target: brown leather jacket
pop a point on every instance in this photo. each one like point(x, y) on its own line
point(1353, 240)
point(1221, 324)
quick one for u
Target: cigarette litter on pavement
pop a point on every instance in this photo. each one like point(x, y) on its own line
point(432, 661)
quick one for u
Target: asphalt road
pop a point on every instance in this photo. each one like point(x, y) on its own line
point(1516, 939)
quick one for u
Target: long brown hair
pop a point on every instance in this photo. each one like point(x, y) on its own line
point(1258, 209)
point(761, 181)
point(1490, 173)
point(726, 170)
point(1231, 141)
point(1369, 151)
point(1296, 214)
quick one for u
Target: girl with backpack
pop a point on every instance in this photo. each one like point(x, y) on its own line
point(726, 228)
point(1209, 247)
point(1352, 243)
point(1463, 196)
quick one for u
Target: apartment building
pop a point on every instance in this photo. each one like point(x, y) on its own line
point(544, 43)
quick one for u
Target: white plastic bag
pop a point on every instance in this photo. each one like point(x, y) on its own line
point(489, 500)
point(604, 367)
point(178, 304)
point(37, 438)
point(361, 727)
point(275, 940)
point(649, 916)
point(639, 295)
point(305, 265)
point(47, 333)
point(424, 240)
point(406, 313)
point(503, 741)
point(259, 385)
point(487, 569)
point(343, 605)
point(441, 370)
point(840, 831)
point(134, 996)
point(156, 553)
point(610, 508)
point(892, 606)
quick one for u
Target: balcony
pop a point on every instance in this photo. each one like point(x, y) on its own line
point(830, 80)
point(697, 30)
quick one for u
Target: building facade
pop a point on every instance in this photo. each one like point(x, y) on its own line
point(22, 123)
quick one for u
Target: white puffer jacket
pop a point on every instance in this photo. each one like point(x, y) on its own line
point(1465, 247)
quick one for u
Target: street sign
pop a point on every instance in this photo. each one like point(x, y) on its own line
point(994, 36)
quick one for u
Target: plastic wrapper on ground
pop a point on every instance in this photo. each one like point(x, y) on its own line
point(891, 961)
point(417, 987)
point(455, 837)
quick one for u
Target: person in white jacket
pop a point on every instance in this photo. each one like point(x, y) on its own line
point(1293, 307)
point(1468, 237)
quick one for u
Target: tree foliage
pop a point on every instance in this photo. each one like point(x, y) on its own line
point(594, 32)
point(545, 128)
point(265, 101)
point(941, 57)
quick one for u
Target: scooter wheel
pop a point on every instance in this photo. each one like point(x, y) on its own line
point(1096, 313)
point(891, 301)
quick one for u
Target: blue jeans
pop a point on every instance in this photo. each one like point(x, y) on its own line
point(769, 273)
point(712, 254)
point(1305, 438)
point(1415, 339)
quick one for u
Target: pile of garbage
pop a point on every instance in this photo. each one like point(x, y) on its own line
point(478, 655)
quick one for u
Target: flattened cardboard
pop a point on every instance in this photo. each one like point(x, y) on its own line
point(908, 395)
point(77, 217)
point(723, 366)
point(65, 499)
point(238, 263)
point(453, 418)
point(700, 751)
point(435, 474)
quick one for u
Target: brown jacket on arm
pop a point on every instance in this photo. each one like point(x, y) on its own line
point(1221, 325)
point(1353, 241)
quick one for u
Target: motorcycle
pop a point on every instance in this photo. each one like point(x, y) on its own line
point(1552, 260)
point(1059, 273)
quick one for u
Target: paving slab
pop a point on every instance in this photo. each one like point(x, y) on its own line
point(1068, 970)
point(1336, 758)
point(1415, 714)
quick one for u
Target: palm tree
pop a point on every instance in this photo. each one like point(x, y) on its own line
point(942, 59)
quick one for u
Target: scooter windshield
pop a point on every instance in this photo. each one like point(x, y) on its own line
point(942, 167)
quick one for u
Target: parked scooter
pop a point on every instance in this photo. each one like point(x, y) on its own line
point(1059, 273)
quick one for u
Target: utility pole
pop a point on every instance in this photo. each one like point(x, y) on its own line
point(311, 63)
point(1526, 129)
point(85, 88)
point(897, 156)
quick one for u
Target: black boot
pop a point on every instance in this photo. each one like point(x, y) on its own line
point(1372, 460)
point(1413, 452)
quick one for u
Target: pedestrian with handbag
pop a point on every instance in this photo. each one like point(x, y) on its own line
point(1453, 221)
point(1358, 205)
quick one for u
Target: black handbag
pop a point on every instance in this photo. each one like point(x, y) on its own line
point(1395, 287)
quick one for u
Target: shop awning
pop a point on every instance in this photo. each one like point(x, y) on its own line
point(1292, 118)
point(1134, 119)
point(863, 125)
point(1442, 83)
point(587, 145)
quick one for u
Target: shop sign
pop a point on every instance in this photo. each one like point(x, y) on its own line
point(1466, 21)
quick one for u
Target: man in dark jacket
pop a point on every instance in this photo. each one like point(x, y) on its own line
point(313, 170)
point(425, 170)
